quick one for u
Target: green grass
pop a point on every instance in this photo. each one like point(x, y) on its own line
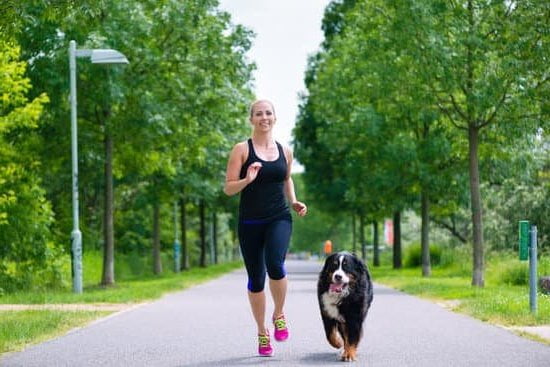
point(20, 328)
point(499, 302)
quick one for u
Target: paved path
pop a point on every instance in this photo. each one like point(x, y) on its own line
point(211, 325)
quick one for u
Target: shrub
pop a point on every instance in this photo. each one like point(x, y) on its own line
point(514, 273)
point(413, 255)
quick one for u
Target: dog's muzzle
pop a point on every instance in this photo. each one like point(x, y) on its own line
point(339, 283)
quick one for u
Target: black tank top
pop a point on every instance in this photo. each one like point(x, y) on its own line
point(264, 198)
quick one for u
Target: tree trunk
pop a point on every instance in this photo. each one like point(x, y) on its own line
point(475, 197)
point(108, 226)
point(397, 263)
point(362, 237)
point(202, 234)
point(214, 237)
point(473, 141)
point(425, 234)
point(376, 259)
point(353, 237)
point(157, 264)
point(183, 228)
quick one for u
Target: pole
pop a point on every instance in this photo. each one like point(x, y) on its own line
point(533, 271)
point(177, 247)
point(76, 235)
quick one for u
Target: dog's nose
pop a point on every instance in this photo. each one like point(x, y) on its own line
point(337, 277)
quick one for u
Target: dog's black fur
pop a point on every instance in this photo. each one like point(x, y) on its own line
point(345, 294)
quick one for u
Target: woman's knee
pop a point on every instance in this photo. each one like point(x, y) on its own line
point(276, 271)
point(256, 284)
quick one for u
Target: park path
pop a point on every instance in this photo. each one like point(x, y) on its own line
point(211, 325)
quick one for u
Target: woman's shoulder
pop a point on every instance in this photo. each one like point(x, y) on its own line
point(286, 148)
point(241, 149)
point(241, 146)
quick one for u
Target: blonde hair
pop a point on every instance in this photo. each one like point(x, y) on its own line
point(261, 101)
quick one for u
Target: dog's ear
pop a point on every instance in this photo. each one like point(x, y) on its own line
point(360, 264)
point(328, 261)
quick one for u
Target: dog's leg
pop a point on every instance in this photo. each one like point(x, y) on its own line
point(352, 335)
point(331, 331)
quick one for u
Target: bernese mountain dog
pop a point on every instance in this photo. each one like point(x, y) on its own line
point(345, 294)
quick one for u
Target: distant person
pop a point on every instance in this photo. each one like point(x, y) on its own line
point(327, 248)
point(259, 169)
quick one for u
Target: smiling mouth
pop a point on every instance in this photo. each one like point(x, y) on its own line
point(337, 287)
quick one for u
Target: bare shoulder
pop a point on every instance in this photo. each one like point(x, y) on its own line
point(287, 150)
point(240, 150)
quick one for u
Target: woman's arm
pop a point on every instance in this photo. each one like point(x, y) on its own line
point(298, 206)
point(233, 183)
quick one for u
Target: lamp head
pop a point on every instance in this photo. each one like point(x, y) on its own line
point(107, 56)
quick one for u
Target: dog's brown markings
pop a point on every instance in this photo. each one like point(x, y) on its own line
point(350, 353)
point(335, 339)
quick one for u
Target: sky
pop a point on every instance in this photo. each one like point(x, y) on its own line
point(287, 32)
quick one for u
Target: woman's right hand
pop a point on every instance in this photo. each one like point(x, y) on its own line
point(252, 171)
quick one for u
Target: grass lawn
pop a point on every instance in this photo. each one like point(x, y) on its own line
point(21, 328)
point(497, 303)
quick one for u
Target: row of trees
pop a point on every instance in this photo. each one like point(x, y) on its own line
point(429, 105)
point(152, 133)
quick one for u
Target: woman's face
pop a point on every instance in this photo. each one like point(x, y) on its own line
point(263, 116)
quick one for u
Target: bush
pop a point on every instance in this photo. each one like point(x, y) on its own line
point(413, 255)
point(544, 284)
point(516, 273)
point(506, 268)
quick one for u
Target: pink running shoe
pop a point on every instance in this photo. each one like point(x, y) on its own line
point(281, 330)
point(264, 346)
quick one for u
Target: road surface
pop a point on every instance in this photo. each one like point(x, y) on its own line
point(211, 325)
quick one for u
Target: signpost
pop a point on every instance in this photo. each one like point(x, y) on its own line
point(533, 271)
point(528, 250)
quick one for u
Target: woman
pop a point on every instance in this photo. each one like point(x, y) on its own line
point(259, 169)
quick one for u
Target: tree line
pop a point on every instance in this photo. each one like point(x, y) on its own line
point(151, 134)
point(436, 106)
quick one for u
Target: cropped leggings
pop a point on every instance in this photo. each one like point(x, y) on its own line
point(264, 246)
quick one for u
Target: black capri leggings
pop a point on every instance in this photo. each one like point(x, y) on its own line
point(264, 246)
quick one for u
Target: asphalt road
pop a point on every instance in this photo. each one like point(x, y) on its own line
point(211, 325)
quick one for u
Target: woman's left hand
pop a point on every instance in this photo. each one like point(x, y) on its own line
point(299, 208)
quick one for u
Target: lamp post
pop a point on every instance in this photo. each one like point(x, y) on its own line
point(97, 56)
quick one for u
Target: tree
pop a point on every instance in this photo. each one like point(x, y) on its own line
point(25, 213)
point(148, 124)
point(486, 65)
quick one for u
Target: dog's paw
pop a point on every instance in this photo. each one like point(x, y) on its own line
point(349, 355)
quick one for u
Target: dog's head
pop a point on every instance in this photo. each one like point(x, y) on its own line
point(341, 271)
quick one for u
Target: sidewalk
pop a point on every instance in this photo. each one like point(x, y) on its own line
point(542, 331)
point(211, 325)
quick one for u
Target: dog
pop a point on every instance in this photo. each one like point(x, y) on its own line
point(344, 290)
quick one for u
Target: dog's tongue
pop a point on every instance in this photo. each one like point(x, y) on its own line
point(335, 287)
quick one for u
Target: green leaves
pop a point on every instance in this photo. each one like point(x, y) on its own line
point(25, 214)
point(395, 81)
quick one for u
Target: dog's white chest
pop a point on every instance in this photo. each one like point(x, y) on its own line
point(330, 305)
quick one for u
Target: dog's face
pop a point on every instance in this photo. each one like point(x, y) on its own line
point(342, 270)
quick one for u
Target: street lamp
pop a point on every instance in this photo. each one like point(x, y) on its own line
point(97, 56)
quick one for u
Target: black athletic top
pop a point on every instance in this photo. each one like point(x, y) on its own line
point(264, 199)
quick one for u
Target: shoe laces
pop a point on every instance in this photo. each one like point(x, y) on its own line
point(280, 323)
point(263, 340)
